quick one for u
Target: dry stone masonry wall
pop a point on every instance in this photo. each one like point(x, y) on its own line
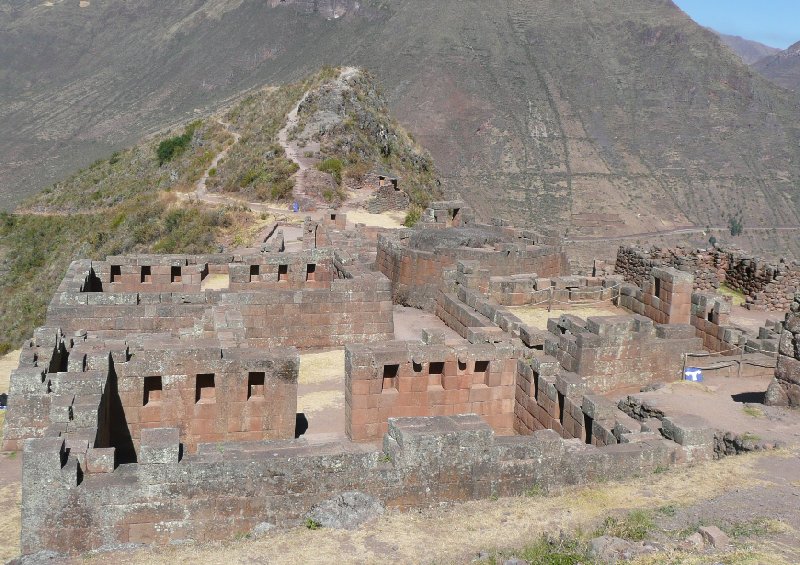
point(766, 286)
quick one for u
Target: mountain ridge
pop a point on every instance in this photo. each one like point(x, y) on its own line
point(783, 68)
point(749, 50)
point(609, 120)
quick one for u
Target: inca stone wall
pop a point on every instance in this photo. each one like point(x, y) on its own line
point(218, 493)
point(766, 286)
point(785, 388)
point(416, 262)
point(397, 379)
point(312, 299)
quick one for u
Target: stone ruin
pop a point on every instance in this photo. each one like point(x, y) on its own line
point(766, 285)
point(158, 403)
point(785, 388)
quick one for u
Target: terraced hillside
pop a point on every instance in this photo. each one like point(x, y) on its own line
point(600, 118)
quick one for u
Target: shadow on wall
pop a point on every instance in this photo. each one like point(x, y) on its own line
point(119, 434)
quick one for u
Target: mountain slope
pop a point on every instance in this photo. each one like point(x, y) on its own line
point(750, 51)
point(600, 118)
point(144, 198)
point(782, 68)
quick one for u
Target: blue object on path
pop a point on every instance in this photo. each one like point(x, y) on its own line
point(295, 207)
point(693, 374)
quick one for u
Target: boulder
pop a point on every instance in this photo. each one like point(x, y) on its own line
point(346, 511)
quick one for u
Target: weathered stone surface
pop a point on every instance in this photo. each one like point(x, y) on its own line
point(715, 537)
point(346, 511)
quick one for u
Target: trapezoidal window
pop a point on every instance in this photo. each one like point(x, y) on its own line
point(175, 274)
point(333, 217)
point(435, 373)
point(255, 272)
point(481, 372)
point(255, 385)
point(657, 288)
point(152, 391)
point(146, 275)
point(311, 272)
point(116, 273)
point(204, 388)
point(390, 373)
point(283, 272)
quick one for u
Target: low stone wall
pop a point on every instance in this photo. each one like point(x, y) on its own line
point(222, 492)
point(532, 290)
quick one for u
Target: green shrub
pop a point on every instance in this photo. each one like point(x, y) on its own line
point(412, 217)
point(170, 148)
point(334, 167)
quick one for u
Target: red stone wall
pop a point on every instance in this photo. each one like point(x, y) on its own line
point(207, 398)
point(398, 379)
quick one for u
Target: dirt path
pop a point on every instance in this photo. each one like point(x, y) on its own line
point(200, 188)
point(675, 231)
point(298, 154)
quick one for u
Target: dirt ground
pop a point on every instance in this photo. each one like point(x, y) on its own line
point(392, 220)
point(409, 323)
point(320, 394)
point(729, 403)
point(10, 476)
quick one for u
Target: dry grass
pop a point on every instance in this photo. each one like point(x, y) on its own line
point(9, 520)
point(215, 281)
point(737, 297)
point(319, 401)
point(8, 363)
point(759, 556)
point(391, 220)
point(537, 316)
point(454, 534)
point(317, 368)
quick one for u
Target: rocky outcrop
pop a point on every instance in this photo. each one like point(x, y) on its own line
point(785, 388)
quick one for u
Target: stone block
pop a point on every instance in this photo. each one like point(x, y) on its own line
point(688, 430)
point(160, 446)
point(100, 460)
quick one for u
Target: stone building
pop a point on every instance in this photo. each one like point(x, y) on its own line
point(158, 403)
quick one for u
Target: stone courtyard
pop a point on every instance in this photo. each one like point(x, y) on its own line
point(173, 398)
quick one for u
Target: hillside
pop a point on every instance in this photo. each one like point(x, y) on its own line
point(144, 198)
point(597, 118)
point(750, 51)
point(782, 68)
